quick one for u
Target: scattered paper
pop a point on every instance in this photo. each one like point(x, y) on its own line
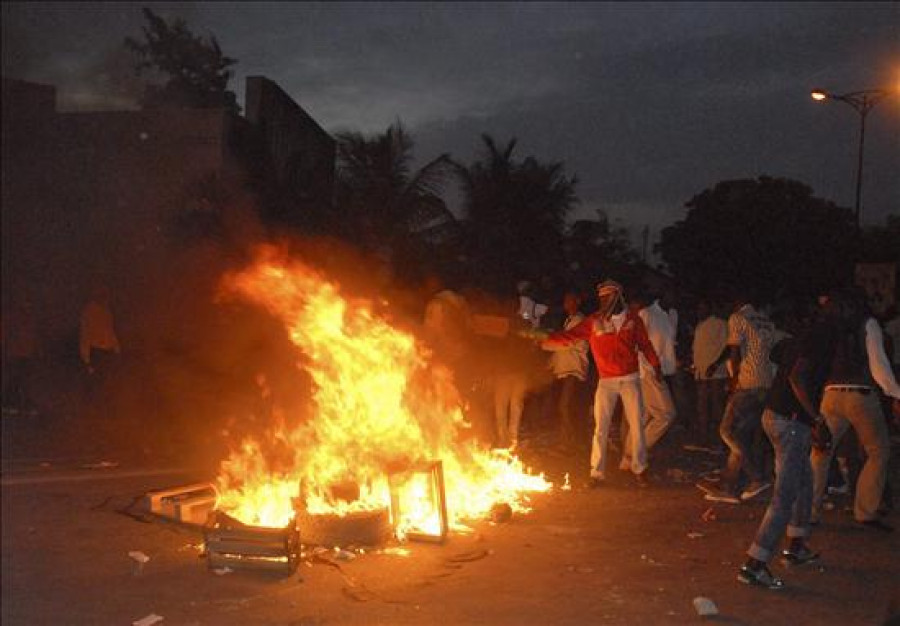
point(139, 556)
point(151, 619)
point(395, 551)
point(100, 465)
point(221, 571)
point(709, 515)
point(705, 607)
point(344, 555)
point(695, 535)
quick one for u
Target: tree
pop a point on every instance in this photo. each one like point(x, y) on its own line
point(595, 248)
point(515, 214)
point(382, 202)
point(770, 236)
point(881, 244)
point(197, 70)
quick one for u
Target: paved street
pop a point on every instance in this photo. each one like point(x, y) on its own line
point(619, 555)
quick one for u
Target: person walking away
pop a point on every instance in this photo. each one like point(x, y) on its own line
point(751, 335)
point(98, 342)
point(616, 335)
point(859, 369)
point(659, 407)
point(569, 364)
point(710, 339)
point(791, 421)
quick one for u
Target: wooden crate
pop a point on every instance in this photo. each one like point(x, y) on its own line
point(232, 544)
point(189, 504)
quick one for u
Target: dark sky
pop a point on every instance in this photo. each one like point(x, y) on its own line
point(648, 103)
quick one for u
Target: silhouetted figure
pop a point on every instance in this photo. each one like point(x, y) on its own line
point(860, 367)
point(751, 335)
point(99, 346)
point(710, 339)
point(20, 351)
point(793, 424)
point(569, 364)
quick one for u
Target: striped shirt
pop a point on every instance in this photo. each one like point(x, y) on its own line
point(754, 333)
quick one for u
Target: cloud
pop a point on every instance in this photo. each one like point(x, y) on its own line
point(648, 103)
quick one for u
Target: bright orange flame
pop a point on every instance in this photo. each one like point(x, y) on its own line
point(381, 405)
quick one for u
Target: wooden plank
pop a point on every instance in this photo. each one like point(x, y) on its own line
point(249, 534)
point(154, 498)
point(218, 560)
point(245, 549)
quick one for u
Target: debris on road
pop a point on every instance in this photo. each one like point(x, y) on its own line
point(501, 512)
point(101, 465)
point(709, 515)
point(149, 620)
point(139, 559)
point(343, 555)
point(466, 557)
point(705, 607)
point(695, 535)
point(221, 571)
point(394, 551)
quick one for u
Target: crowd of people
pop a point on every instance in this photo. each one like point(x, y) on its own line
point(779, 398)
point(801, 404)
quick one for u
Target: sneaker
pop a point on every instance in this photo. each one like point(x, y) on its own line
point(799, 557)
point(843, 490)
point(642, 479)
point(625, 464)
point(754, 489)
point(717, 495)
point(594, 482)
point(761, 577)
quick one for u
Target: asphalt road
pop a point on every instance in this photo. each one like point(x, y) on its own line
point(618, 555)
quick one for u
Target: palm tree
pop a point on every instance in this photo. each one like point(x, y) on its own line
point(515, 214)
point(382, 202)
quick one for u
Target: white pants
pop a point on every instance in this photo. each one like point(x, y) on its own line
point(658, 414)
point(609, 391)
point(659, 406)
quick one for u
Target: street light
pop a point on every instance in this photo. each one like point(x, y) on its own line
point(863, 102)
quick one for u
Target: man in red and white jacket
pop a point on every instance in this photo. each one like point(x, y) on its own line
point(616, 335)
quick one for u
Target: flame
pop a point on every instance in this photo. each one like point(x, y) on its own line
point(382, 407)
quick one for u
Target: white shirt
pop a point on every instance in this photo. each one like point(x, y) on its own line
point(661, 328)
point(710, 339)
point(878, 361)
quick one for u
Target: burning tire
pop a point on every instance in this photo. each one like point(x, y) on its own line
point(361, 528)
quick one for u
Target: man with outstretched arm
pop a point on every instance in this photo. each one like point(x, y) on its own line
point(615, 335)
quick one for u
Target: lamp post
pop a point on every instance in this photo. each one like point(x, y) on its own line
point(862, 102)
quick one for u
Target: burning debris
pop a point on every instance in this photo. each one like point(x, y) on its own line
point(231, 544)
point(384, 412)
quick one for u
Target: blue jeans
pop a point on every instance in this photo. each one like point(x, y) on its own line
point(739, 428)
point(791, 502)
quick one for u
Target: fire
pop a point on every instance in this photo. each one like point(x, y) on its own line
point(382, 408)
